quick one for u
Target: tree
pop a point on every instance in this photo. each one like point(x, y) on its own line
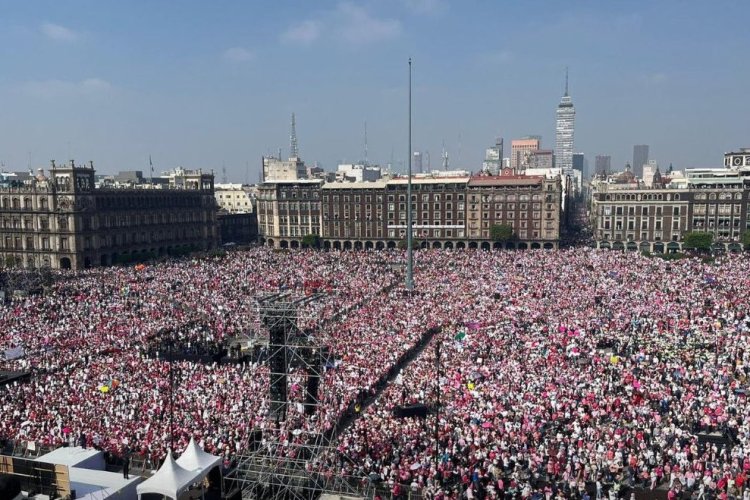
point(311, 241)
point(501, 232)
point(698, 241)
point(746, 240)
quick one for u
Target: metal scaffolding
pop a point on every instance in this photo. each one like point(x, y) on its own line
point(281, 461)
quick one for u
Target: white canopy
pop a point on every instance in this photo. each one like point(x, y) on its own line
point(196, 460)
point(170, 480)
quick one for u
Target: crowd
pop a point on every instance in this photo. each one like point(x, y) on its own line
point(587, 369)
point(125, 308)
point(557, 371)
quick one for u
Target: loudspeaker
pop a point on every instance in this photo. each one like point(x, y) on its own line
point(418, 410)
point(311, 394)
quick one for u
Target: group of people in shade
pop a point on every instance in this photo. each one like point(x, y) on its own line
point(541, 374)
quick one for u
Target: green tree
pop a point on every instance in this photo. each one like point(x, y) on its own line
point(501, 232)
point(311, 241)
point(746, 240)
point(698, 241)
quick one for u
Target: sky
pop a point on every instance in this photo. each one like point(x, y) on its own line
point(212, 85)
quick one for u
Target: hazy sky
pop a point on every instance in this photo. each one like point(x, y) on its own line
point(201, 84)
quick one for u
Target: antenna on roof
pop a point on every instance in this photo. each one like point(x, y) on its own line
point(566, 81)
point(223, 173)
point(293, 151)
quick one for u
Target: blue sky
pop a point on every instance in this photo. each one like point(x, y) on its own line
point(206, 84)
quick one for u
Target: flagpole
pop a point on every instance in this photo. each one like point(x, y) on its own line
point(409, 247)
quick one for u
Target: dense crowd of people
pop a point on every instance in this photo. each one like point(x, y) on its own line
point(542, 374)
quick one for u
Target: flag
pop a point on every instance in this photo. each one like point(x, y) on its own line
point(151, 165)
point(461, 335)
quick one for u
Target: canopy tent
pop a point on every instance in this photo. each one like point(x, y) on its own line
point(196, 460)
point(170, 480)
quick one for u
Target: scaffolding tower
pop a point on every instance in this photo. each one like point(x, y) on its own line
point(281, 460)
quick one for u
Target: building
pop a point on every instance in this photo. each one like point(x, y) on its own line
point(288, 211)
point(649, 170)
point(564, 131)
point(579, 163)
point(292, 169)
point(493, 158)
point(529, 204)
point(131, 177)
point(640, 158)
point(520, 148)
point(602, 165)
point(738, 159)
point(628, 214)
point(64, 221)
point(233, 198)
point(416, 164)
point(358, 173)
point(451, 210)
point(541, 158)
point(276, 169)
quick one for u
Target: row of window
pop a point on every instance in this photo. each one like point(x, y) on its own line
point(644, 211)
point(659, 235)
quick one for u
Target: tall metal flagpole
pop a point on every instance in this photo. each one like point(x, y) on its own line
point(409, 248)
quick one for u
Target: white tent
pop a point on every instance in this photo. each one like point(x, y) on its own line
point(196, 460)
point(170, 480)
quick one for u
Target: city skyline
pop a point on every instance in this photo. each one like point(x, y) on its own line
point(198, 88)
point(565, 130)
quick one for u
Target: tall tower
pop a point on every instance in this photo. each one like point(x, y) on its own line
point(293, 150)
point(566, 117)
point(603, 165)
point(417, 161)
point(640, 158)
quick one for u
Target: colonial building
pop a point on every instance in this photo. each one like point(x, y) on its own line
point(233, 198)
point(628, 213)
point(448, 212)
point(63, 221)
point(289, 211)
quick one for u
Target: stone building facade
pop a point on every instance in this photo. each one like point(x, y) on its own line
point(63, 221)
point(288, 211)
point(655, 217)
point(448, 212)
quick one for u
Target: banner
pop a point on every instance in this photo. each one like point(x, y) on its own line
point(14, 353)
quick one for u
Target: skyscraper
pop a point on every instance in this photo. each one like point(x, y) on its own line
point(640, 158)
point(566, 117)
point(417, 162)
point(493, 158)
point(603, 165)
point(519, 148)
point(578, 161)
